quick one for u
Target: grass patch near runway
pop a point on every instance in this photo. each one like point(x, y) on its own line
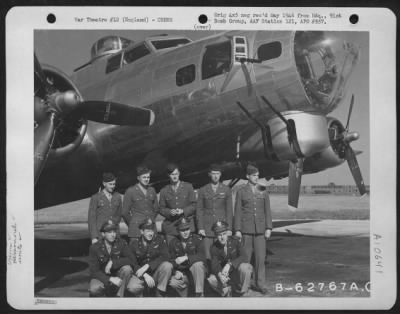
point(341, 207)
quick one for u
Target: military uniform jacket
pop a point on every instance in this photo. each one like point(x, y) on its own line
point(194, 250)
point(252, 211)
point(101, 210)
point(120, 255)
point(137, 207)
point(213, 206)
point(183, 198)
point(154, 253)
point(235, 255)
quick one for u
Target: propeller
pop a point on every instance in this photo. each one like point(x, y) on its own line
point(349, 114)
point(341, 144)
point(52, 106)
point(295, 174)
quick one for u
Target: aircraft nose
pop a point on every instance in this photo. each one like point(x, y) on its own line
point(324, 65)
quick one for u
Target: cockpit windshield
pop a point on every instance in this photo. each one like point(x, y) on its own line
point(108, 45)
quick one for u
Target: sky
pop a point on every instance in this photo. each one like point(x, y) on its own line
point(69, 49)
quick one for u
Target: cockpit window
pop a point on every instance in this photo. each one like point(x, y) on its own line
point(136, 53)
point(113, 63)
point(216, 60)
point(163, 44)
point(108, 45)
point(185, 75)
point(269, 51)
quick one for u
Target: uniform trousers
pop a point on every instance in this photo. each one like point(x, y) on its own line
point(256, 243)
point(239, 279)
point(161, 276)
point(97, 288)
point(198, 273)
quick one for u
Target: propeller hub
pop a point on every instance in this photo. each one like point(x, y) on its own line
point(64, 103)
point(350, 137)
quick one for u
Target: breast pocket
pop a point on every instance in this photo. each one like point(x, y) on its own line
point(246, 201)
point(116, 202)
point(137, 198)
point(100, 204)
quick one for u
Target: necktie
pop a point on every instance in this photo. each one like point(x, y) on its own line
point(225, 250)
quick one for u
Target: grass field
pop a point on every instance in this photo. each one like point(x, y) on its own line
point(310, 207)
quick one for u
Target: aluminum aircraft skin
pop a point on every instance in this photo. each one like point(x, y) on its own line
point(231, 98)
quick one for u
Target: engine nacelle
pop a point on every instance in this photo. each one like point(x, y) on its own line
point(311, 130)
point(331, 156)
point(72, 130)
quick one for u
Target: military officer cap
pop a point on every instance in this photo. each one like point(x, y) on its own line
point(140, 170)
point(251, 169)
point(183, 224)
point(108, 177)
point(108, 226)
point(171, 167)
point(147, 223)
point(219, 226)
point(215, 167)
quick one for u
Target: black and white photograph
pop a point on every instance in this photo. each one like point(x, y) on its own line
point(201, 164)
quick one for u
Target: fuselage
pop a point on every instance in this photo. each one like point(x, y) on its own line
point(193, 90)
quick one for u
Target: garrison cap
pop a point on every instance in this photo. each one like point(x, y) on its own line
point(108, 177)
point(108, 226)
point(251, 169)
point(219, 226)
point(140, 170)
point(147, 224)
point(215, 167)
point(171, 167)
point(183, 224)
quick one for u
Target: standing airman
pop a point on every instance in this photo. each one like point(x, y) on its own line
point(214, 203)
point(253, 223)
point(140, 202)
point(104, 205)
point(177, 200)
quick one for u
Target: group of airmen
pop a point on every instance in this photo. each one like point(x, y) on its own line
point(201, 239)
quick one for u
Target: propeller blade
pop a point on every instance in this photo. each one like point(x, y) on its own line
point(355, 169)
point(295, 174)
point(115, 113)
point(39, 71)
point(40, 77)
point(350, 111)
point(43, 136)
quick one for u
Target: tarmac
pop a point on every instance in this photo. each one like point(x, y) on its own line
point(305, 258)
